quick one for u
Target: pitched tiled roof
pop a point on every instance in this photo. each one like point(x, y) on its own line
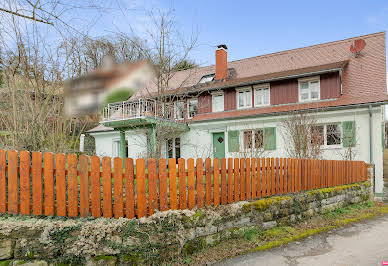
point(364, 77)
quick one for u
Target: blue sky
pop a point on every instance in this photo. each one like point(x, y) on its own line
point(251, 28)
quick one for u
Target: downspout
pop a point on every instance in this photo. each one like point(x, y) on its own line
point(370, 135)
point(370, 147)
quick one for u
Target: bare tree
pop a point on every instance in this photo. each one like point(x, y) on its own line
point(302, 136)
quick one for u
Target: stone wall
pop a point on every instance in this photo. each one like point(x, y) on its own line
point(156, 239)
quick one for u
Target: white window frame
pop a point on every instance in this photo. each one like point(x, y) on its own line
point(173, 143)
point(309, 80)
point(262, 87)
point(242, 140)
point(244, 90)
point(325, 146)
point(219, 93)
point(176, 108)
point(188, 106)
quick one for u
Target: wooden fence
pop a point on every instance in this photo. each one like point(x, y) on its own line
point(36, 184)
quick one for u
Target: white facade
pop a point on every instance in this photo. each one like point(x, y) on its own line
point(198, 141)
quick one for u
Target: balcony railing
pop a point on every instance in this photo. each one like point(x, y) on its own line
point(138, 109)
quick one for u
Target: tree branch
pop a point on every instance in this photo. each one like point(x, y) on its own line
point(27, 17)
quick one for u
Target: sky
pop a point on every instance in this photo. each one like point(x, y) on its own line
point(251, 28)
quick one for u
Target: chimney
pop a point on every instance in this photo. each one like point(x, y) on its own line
point(221, 62)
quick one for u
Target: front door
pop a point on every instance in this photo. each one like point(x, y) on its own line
point(219, 145)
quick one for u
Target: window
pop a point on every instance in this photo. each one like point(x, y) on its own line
point(309, 89)
point(173, 148)
point(179, 109)
point(326, 135)
point(333, 135)
point(206, 78)
point(218, 102)
point(192, 106)
point(244, 97)
point(253, 139)
point(262, 95)
point(116, 148)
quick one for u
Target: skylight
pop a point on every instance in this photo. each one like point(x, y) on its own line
point(206, 78)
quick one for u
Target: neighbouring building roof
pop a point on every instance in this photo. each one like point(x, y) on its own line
point(100, 128)
point(364, 78)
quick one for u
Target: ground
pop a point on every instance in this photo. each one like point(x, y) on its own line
point(363, 243)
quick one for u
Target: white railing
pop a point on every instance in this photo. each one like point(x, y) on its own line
point(137, 109)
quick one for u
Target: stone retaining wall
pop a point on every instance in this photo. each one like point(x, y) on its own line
point(165, 235)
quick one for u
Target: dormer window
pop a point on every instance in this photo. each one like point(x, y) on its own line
point(206, 78)
point(262, 94)
point(309, 89)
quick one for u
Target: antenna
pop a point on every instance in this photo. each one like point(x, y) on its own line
point(357, 46)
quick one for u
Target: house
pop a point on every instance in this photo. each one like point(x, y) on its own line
point(230, 107)
point(86, 94)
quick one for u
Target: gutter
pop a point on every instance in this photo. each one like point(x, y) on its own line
point(330, 108)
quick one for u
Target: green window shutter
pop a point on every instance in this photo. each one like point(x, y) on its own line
point(270, 138)
point(349, 133)
point(233, 141)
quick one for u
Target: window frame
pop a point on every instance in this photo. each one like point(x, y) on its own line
point(243, 90)
point(188, 106)
point(175, 110)
point(309, 80)
point(173, 148)
point(218, 93)
point(253, 139)
point(334, 146)
point(116, 147)
point(262, 87)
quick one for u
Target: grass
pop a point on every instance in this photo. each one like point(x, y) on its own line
point(256, 239)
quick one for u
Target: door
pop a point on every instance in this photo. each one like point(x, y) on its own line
point(219, 145)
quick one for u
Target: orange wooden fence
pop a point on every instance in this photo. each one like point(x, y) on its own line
point(63, 185)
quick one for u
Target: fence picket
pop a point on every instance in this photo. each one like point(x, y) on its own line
point(13, 183)
point(3, 181)
point(254, 178)
point(172, 183)
point(224, 193)
point(49, 184)
point(182, 183)
point(242, 179)
point(248, 181)
point(216, 182)
point(230, 180)
point(106, 187)
point(163, 196)
point(236, 179)
point(152, 186)
point(37, 184)
point(25, 183)
point(72, 184)
point(208, 175)
point(84, 185)
point(191, 183)
point(263, 178)
point(118, 204)
point(95, 186)
point(200, 195)
point(60, 180)
point(141, 188)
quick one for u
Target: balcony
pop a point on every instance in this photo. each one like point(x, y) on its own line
point(138, 113)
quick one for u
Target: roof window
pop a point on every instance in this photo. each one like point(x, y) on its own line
point(206, 78)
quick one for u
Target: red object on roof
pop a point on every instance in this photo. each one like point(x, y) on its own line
point(357, 46)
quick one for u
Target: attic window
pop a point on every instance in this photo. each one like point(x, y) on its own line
point(206, 78)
